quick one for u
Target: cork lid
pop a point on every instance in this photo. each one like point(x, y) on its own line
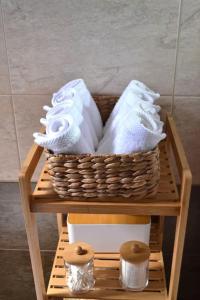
point(78, 253)
point(134, 251)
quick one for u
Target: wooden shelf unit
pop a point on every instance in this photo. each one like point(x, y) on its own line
point(168, 202)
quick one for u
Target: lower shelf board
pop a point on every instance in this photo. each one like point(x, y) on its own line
point(107, 285)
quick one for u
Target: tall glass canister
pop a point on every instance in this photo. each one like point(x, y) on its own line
point(134, 265)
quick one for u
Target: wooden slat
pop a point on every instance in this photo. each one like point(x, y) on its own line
point(106, 270)
point(114, 264)
point(109, 295)
point(110, 284)
point(110, 273)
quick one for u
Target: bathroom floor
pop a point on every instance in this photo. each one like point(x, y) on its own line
point(15, 268)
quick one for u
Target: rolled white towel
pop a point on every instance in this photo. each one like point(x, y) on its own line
point(139, 89)
point(134, 92)
point(69, 107)
point(127, 106)
point(63, 136)
point(69, 91)
point(138, 132)
point(82, 126)
point(143, 91)
point(65, 95)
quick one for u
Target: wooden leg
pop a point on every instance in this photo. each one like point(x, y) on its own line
point(36, 261)
point(161, 229)
point(33, 241)
point(179, 237)
point(157, 234)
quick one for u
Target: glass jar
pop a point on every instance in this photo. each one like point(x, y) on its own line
point(134, 265)
point(78, 258)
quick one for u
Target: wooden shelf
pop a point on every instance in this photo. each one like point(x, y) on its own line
point(166, 202)
point(106, 270)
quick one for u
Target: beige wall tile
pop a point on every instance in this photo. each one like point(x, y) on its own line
point(106, 42)
point(187, 117)
point(4, 74)
point(28, 111)
point(188, 70)
point(165, 103)
point(9, 160)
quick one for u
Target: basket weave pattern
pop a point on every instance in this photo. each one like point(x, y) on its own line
point(87, 175)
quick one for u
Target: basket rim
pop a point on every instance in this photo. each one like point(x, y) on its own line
point(84, 155)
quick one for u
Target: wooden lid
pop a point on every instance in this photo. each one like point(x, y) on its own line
point(78, 253)
point(91, 219)
point(134, 251)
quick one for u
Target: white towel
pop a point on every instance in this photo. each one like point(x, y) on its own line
point(136, 132)
point(127, 106)
point(134, 92)
point(69, 107)
point(63, 136)
point(143, 91)
point(82, 126)
point(64, 95)
point(79, 87)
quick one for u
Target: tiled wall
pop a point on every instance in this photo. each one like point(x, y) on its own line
point(44, 44)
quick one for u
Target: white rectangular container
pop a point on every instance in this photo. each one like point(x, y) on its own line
point(106, 233)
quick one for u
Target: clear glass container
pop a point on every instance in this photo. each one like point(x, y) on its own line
point(134, 265)
point(80, 278)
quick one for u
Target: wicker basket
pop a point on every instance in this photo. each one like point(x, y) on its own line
point(136, 175)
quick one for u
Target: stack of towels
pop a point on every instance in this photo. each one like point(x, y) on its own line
point(74, 126)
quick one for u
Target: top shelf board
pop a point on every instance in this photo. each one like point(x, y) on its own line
point(166, 202)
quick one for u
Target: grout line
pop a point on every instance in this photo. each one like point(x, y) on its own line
point(34, 181)
point(11, 101)
point(176, 53)
point(26, 94)
point(187, 96)
point(26, 250)
point(48, 251)
point(175, 96)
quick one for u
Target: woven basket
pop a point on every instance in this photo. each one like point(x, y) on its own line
point(136, 175)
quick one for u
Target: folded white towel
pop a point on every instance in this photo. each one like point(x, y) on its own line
point(136, 132)
point(69, 107)
point(63, 136)
point(65, 95)
point(135, 91)
point(126, 107)
point(143, 91)
point(69, 91)
point(82, 126)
